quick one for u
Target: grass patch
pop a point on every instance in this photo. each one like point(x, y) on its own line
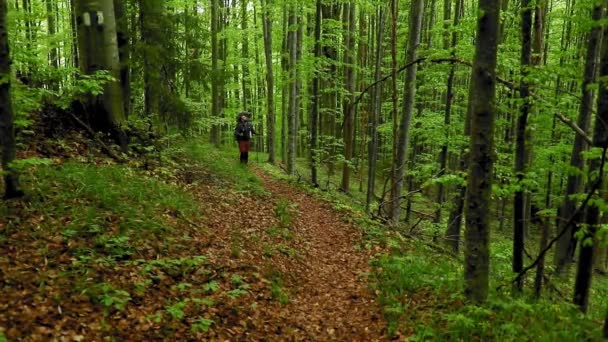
point(224, 164)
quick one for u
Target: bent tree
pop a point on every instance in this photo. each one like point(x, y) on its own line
point(479, 182)
point(7, 129)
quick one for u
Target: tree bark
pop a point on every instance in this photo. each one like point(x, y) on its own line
point(293, 111)
point(215, 74)
point(567, 243)
point(124, 56)
point(99, 51)
point(416, 13)
point(270, 107)
point(521, 157)
point(351, 82)
point(373, 130)
point(479, 180)
point(584, 272)
point(12, 189)
point(314, 106)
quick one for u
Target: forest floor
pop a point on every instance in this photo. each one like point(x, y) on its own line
point(185, 252)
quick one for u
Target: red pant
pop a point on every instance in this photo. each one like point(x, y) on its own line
point(244, 145)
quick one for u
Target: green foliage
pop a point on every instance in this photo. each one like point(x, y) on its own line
point(176, 310)
point(100, 200)
point(277, 289)
point(108, 296)
point(173, 267)
point(202, 325)
point(508, 319)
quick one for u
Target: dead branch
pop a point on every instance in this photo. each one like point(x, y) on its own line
point(575, 127)
point(103, 145)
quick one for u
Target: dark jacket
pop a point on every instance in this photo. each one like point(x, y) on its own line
point(244, 131)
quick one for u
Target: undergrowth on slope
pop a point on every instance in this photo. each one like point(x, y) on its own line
point(420, 288)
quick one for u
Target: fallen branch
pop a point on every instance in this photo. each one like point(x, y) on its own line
point(103, 145)
point(575, 127)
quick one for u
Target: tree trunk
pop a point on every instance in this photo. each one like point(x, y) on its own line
point(247, 99)
point(373, 130)
point(270, 115)
point(124, 49)
point(151, 33)
point(7, 129)
point(452, 234)
point(416, 13)
point(314, 111)
point(519, 205)
point(215, 74)
point(479, 180)
point(567, 243)
point(592, 216)
point(293, 111)
point(52, 30)
point(351, 82)
point(99, 51)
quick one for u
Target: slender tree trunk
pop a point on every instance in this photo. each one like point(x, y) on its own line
point(481, 99)
point(567, 244)
point(215, 74)
point(350, 80)
point(455, 218)
point(12, 188)
point(270, 115)
point(519, 215)
point(592, 216)
point(540, 12)
point(124, 49)
point(151, 32)
point(314, 112)
point(293, 111)
point(416, 13)
point(247, 99)
point(373, 144)
point(52, 30)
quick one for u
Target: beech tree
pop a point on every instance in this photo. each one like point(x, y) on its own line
point(98, 51)
point(479, 181)
point(12, 188)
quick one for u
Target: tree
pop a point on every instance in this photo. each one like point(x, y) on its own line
point(588, 244)
point(12, 189)
point(519, 207)
point(270, 107)
point(293, 93)
point(350, 81)
point(566, 244)
point(314, 107)
point(416, 13)
point(215, 74)
point(479, 181)
point(377, 107)
point(99, 52)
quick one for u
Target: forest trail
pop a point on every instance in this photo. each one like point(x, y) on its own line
point(321, 270)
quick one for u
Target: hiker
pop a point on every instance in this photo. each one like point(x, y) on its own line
point(243, 133)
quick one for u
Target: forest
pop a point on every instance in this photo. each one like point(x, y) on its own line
point(420, 170)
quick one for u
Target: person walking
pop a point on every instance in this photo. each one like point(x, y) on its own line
point(243, 133)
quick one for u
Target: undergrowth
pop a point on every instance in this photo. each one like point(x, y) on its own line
point(421, 289)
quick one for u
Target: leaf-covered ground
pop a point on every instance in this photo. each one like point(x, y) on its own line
point(188, 251)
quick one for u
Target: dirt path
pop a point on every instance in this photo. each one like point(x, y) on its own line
point(321, 271)
point(332, 300)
